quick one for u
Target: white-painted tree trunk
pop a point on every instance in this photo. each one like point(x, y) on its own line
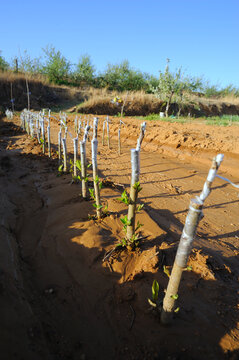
point(49, 140)
point(83, 169)
point(186, 242)
point(64, 154)
point(59, 146)
point(141, 136)
point(94, 146)
point(135, 170)
point(75, 142)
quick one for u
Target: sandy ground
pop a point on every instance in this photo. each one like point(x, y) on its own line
point(58, 300)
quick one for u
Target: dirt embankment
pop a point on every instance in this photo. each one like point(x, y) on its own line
point(143, 105)
point(60, 301)
point(42, 95)
point(99, 101)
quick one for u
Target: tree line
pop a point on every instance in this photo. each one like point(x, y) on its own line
point(120, 77)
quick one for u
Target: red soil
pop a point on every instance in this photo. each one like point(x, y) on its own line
point(60, 301)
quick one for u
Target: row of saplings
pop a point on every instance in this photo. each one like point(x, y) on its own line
point(129, 221)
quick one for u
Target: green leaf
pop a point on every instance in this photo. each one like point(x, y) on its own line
point(166, 271)
point(155, 290)
point(152, 303)
point(124, 198)
point(175, 297)
point(91, 191)
point(78, 165)
point(124, 220)
point(139, 208)
point(89, 165)
point(100, 185)
point(177, 310)
point(123, 242)
point(96, 179)
point(189, 268)
point(105, 211)
point(60, 168)
point(137, 187)
point(138, 226)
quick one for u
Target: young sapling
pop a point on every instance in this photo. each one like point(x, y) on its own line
point(64, 154)
point(186, 241)
point(75, 143)
point(83, 162)
point(94, 146)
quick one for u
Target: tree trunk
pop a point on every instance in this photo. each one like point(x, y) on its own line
point(94, 144)
point(133, 193)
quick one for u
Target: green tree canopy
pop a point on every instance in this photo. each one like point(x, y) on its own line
point(122, 77)
point(56, 67)
point(3, 64)
point(28, 65)
point(85, 71)
point(175, 86)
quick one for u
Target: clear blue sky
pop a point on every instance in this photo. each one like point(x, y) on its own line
point(202, 36)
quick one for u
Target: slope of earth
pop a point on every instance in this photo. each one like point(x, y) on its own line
point(60, 301)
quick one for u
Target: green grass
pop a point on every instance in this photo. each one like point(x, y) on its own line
point(167, 119)
point(224, 120)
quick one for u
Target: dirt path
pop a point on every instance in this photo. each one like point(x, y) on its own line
point(59, 301)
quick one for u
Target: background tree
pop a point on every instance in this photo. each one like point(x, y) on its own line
point(85, 71)
point(56, 67)
point(122, 77)
point(28, 65)
point(3, 64)
point(175, 86)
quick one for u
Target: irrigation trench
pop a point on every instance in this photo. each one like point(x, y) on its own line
point(58, 302)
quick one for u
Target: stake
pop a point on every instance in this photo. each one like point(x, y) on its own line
point(64, 154)
point(133, 193)
point(119, 144)
point(83, 162)
point(87, 128)
point(108, 132)
point(38, 135)
point(103, 134)
point(79, 128)
point(49, 140)
point(141, 136)
point(75, 141)
point(59, 146)
point(76, 127)
point(186, 241)
point(12, 100)
point(43, 135)
point(28, 94)
point(83, 169)
point(94, 145)
point(95, 127)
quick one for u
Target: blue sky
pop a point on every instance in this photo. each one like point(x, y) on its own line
point(202, 36)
